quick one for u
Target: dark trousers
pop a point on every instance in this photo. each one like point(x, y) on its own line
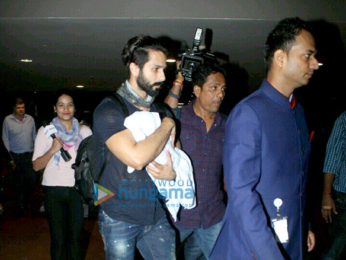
point(24, 177)
point(337, 230)
point(64, 209)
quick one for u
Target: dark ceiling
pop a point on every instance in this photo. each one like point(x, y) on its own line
point(79, 42)
point(87, 51)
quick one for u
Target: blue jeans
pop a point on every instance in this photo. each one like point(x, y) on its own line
point(120, 239)
point(199, 241)
point(337, 230)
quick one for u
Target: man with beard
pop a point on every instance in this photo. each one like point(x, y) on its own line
point(134, 216)
point(202, 136)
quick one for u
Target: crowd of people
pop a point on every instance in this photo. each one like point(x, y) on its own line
point(250, 168)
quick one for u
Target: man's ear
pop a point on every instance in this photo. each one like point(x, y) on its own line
point(134, 69)
point(279, 58)
point(197, 90)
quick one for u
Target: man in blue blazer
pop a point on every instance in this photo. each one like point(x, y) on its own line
point(266, 155)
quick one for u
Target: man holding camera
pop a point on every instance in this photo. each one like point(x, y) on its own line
point(202, 136)
point(130, 218)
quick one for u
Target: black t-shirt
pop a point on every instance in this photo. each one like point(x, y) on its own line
point(136, 197)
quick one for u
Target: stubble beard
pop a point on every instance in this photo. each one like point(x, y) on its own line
point(145, 85)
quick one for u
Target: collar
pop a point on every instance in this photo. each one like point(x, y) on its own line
point(12, 116)
point(292, 101)
point(191, 112)
point(276, 96)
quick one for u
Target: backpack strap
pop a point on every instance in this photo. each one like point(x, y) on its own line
point(161, 109)
point(118, 101)
point(103, 166)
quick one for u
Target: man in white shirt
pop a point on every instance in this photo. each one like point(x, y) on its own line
point(18, 135)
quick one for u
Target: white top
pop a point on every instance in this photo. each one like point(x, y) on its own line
point(52, 176)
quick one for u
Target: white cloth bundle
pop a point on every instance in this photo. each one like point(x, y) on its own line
point(180, 191)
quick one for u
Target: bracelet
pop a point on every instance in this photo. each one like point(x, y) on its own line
point(178, 82)
point(178, 85)
point(174, 95)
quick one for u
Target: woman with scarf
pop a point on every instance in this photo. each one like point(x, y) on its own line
point(63, 204)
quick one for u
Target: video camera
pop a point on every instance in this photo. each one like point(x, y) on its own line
point(194, 57)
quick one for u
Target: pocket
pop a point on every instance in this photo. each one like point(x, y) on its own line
point(107, 220)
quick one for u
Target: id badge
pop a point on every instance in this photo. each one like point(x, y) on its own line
point(280, 226)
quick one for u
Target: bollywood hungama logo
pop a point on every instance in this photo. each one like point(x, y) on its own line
point(155, 189)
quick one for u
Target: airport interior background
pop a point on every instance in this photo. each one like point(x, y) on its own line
point(80, 43)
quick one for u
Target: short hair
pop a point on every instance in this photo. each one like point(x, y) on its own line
point(200, 73)
point(61, 92)
point(283, 37)
point(18, 101)
point(137, 50)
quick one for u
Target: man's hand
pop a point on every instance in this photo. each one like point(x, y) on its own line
point(311, 241)
point(162, 172)
point(13, 165)
point(179, 75)
point(327, 206)
point(172, 98)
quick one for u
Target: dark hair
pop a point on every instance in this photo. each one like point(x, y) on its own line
point(60, 92)
point(18, 101)
point(137, 50)
point(283, 37)
point(200, 73)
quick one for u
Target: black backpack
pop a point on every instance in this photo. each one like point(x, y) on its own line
point(85, 166)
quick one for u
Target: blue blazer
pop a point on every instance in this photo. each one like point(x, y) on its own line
point(266, 155)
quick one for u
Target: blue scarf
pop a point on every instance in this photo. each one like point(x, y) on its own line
point(70, 139)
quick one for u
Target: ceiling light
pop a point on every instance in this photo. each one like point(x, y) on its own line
point(80, 86)
point(320, 64)
point(25, 60)
point(171, 60)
